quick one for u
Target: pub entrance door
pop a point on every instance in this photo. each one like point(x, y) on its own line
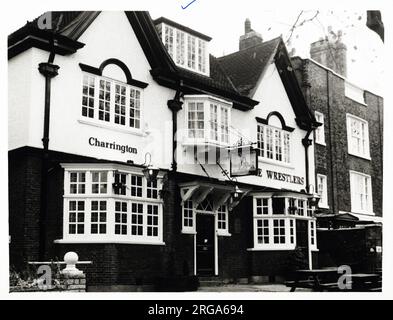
point(205, 244)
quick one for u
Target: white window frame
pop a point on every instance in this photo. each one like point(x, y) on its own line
point(223, 135)
point(285, 147)
point(312, 235)
point(111, 123)
point(192, 229)
point(289, 222)
point(110, 197)
point(354, 187)
point(199, 44)
point(320, 131)
point(352, 149)
point(323, 202)
point(222, 231)
point(188, 229)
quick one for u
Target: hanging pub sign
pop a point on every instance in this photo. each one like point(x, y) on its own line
point(243, 161)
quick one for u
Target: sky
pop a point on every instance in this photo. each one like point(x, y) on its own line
point(224, 22)
point(365, 50)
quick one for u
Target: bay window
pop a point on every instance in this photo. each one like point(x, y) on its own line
point(274, 221)
point(109, 101)
point(207, 120)
point(111, 203)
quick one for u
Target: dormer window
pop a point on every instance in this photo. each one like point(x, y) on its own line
point(187, 48)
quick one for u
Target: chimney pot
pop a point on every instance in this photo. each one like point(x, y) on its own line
point(247, 26)
point(250, 38)
point(331, 52)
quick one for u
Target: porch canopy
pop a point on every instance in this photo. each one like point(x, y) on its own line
point(336, 220)
point(220, 194)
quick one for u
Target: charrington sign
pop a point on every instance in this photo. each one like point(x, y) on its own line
point(112, 145)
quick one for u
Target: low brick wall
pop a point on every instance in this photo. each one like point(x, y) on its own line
point(73, 283)
point(60, 283)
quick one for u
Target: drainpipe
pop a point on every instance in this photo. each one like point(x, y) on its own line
point(307, 94)
point(175, 105)
point(306, 143)
point(49, 71)
point(331, 141)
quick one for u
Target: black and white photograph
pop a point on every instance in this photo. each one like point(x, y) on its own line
point(195, 148)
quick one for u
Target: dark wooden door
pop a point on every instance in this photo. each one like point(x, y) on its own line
point(205, 244)
point(302, 238)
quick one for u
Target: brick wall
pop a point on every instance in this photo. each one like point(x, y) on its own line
point(24, 182)
point(234, 259)
point(327, 95)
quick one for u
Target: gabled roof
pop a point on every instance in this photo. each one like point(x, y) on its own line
point(165, 72)
point(66, 28)
point(245, 68)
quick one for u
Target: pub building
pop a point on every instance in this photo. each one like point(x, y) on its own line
point(151, 158)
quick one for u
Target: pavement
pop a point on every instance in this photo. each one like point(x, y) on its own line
point(272, 287)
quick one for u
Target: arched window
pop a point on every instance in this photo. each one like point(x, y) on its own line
point(273, 137)
point(110, 95)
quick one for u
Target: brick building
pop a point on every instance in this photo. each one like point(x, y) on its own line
point(348, 152)
point(95, 166)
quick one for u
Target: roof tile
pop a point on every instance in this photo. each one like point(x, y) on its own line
point(245, 67)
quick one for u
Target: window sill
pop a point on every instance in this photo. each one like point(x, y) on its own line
point(86, 241)
point(113, 127)
point(276, 163)
point(190, 142)
point(85, 196)
point(188, 232)
point(272, 248)
point(224, 234)
point(367, 157)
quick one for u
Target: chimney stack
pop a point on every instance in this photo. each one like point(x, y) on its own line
point(250, 37)
point(331, 52)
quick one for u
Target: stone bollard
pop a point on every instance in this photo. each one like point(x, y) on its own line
point(72, 278)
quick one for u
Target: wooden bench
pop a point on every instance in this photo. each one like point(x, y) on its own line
point(306, 284)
